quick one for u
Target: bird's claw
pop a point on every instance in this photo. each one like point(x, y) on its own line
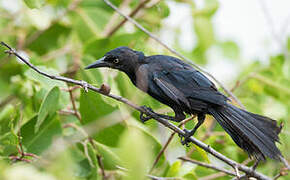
point(185, 139)
point(147, 117)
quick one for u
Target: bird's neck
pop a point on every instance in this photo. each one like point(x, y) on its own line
point(132, 76)
point(132, 70)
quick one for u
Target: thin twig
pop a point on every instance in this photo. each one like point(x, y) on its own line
point(163, 178)
point(22, 155)
point(213, 176)
point(86, 152)
point(101, 165)
point(211, 166)
point(163, 121)
point(151, 176)
point(7, 100)
point(72, 99)
point(173, 51)
point(132, 14)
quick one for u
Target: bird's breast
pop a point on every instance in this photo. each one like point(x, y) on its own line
point(142, 81)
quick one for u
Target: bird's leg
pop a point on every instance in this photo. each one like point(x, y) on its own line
point(188, 134)
point(256, 164)
point(147, 117)
point(178, 116)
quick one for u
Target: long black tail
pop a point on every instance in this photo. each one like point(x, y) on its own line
point(254, 133)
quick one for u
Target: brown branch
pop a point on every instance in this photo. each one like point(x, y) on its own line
point(283, 172)
point(72, 99)
point(132, 14)
point(21, 153)
point(208, 166)
point(213, 176)
point(7, 100)
point(163, 178)
point(101, 165)
point(163, 121)
point(173, 51)
point(151, 176)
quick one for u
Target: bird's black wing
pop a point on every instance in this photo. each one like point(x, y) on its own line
point(187, 86)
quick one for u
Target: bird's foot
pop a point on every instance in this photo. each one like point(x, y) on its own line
point(147, 117)
point(186, 138)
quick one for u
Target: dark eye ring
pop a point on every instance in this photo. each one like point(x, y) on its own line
point(116, 61)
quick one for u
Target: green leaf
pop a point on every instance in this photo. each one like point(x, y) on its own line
point(6, 115)
point(48, 107)
point(135, 153)
point(106, 44)
point(92, 154)
point(47, 84)
point(8, 144)
point(202, 153)
point(34, 3)
point(230, 49)
point(92, 107)
point(49, 39)
point(209, 9)
point(174, 169)
point(154, 144)
point(110, 136)
point(110, 159)
point(40, 141)
point(204, 31)
point(190, 176)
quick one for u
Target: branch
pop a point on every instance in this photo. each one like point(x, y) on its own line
point(213, 176)
point(173, 51)
point(151, 176)
point(132, 14)
point(208, 166)
point(87, 86)
point(72, 99)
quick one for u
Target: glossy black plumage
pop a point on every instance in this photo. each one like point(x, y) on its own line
point(186, 90)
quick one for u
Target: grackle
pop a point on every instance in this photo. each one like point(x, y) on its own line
point(186, 90)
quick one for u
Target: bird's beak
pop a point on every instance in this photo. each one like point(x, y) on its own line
point(98, 63)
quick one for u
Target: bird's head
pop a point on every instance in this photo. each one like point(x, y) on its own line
point(121, 58)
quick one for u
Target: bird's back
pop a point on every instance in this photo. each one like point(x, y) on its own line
point(175, 80)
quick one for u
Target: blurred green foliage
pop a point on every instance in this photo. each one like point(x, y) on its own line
point(61, 37)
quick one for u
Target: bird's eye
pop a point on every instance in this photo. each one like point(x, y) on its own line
point(116, 61)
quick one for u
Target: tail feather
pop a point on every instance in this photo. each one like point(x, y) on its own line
point(254, 133)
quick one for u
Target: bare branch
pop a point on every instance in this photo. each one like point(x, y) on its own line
point(213, 176)
point(72, 99)
point(173, 51)
point(163, 178)
point(132, 14)
point(101, 165)
point(165, 122)
point(208, 165)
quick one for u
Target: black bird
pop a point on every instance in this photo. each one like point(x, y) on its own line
point(186, 90)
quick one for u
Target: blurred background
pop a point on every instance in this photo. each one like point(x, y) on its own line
point(52, 130)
